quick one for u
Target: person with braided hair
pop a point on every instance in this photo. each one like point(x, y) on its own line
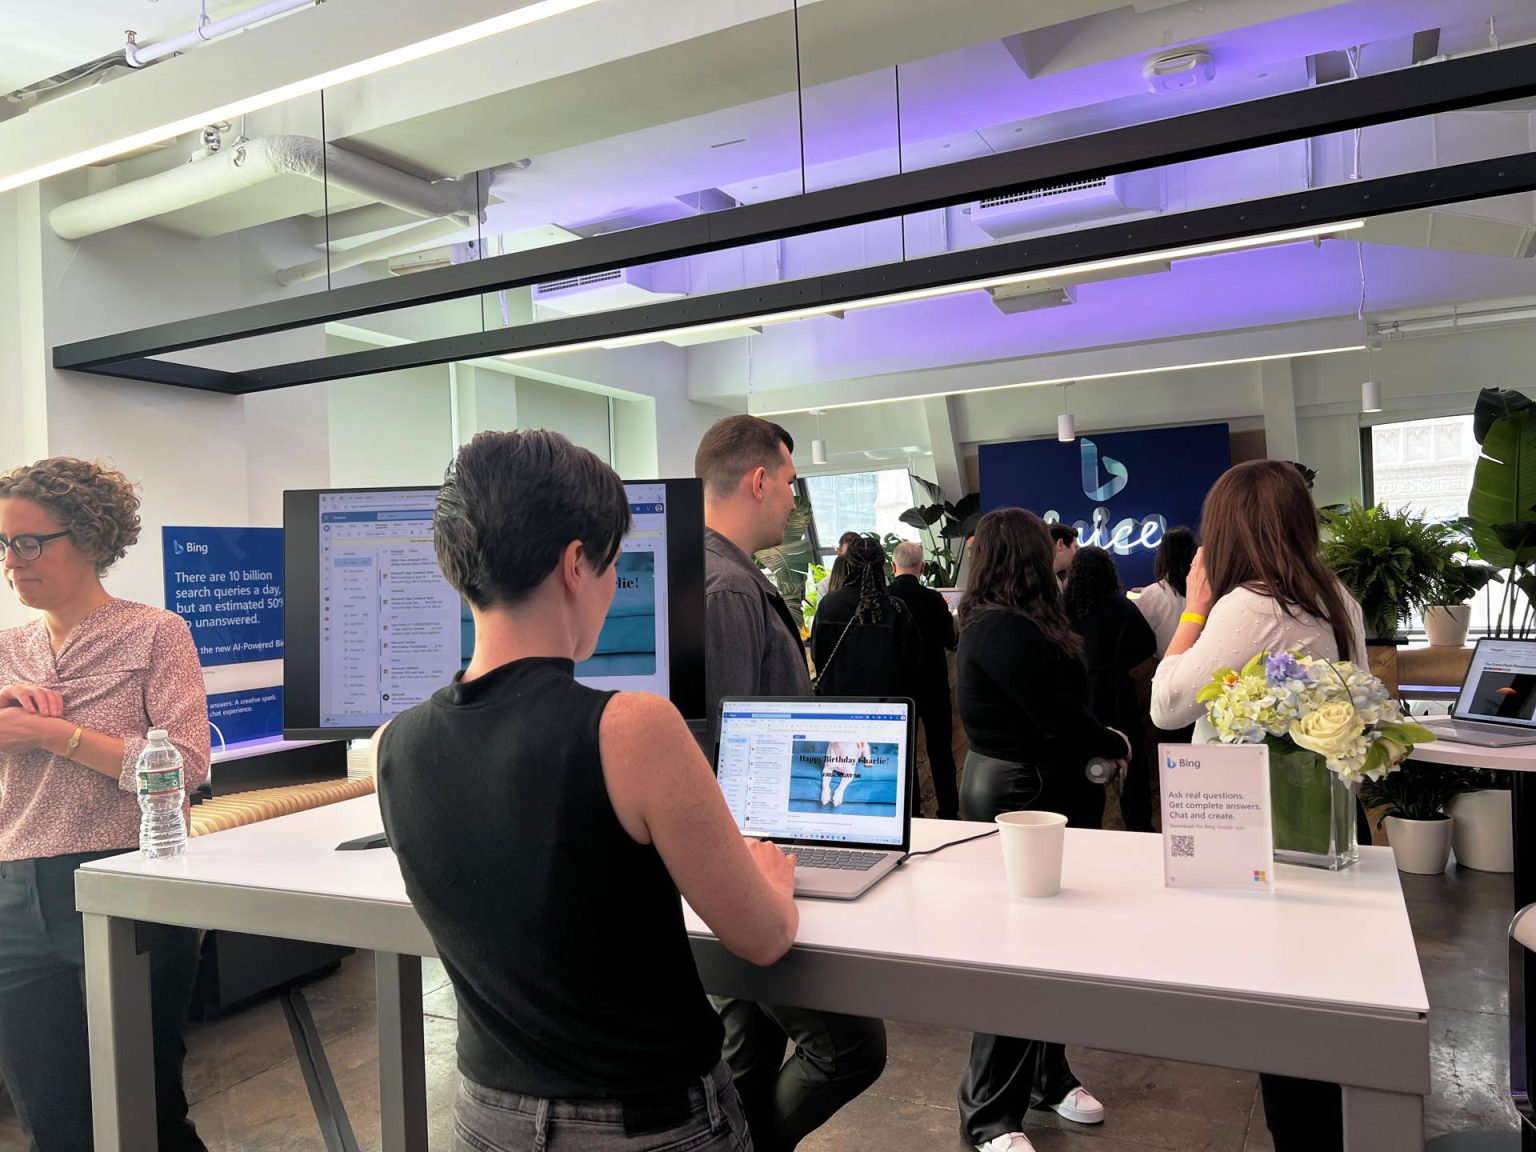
point(864, 642)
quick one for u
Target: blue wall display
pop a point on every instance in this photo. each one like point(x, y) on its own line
point(1121, 490)
point(227, 584)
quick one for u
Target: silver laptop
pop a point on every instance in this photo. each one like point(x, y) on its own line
point(1496, 707)
point(826, 778)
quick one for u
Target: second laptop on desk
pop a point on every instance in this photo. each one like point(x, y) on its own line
point(826, 778)
point(1496, 707)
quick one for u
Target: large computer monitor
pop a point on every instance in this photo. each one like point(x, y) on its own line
point(371, 627)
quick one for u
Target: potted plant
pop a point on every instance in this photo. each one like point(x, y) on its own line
point(1389, 561)
point(1482, 834)
point(1447, 613)
point(944, 527)
point(1418, 827)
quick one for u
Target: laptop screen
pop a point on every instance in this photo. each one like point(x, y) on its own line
point(1501, 683)
point(827, 770)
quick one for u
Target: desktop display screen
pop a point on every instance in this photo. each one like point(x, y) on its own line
point(373, 628)
point(1500, 683)
point(824, 769)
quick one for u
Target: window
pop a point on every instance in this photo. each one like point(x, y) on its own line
point(1425, 466)
point(869, 502)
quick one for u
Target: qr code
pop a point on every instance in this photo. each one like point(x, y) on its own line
point(1183, 847)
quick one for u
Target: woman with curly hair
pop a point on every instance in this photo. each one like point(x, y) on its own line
point(80, 686)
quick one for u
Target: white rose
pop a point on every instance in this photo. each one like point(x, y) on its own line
point(1331, 731)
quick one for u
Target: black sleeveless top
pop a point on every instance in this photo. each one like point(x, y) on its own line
point(563, 937)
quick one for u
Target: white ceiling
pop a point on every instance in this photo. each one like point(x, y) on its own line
point(45, 37)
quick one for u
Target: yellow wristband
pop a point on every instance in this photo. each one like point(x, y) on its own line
point(74, 743)
point(1192, 618)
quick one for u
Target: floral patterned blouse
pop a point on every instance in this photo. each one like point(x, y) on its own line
point(126, 668)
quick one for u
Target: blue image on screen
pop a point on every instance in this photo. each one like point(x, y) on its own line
point(627, 644)
point(855, 778)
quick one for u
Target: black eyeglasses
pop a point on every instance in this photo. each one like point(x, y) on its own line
point(29, 545)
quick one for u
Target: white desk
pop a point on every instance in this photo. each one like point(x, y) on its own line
point(1319, 979)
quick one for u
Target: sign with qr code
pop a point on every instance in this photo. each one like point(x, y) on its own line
point(1216, 822)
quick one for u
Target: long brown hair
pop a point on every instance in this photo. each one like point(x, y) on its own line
point(1260, 531)
point(1011, 571)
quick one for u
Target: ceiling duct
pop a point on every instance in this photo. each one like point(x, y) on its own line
point(1068, 205)
point(252, 162)
point(600, 292)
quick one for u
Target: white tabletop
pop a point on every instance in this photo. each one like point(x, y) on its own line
point(1331, 938)
point(1442, 751)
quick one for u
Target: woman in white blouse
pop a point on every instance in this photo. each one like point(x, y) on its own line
point(1162, 603)
point(1259, 584)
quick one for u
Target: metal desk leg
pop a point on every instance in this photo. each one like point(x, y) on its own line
point(1377, 1121)
point(122, 1056)
point(402, 1053)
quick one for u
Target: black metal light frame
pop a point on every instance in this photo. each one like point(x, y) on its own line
point(1476, 81)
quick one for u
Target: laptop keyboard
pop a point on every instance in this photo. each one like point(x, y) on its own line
point(848, 859)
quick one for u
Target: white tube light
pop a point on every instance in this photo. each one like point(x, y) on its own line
point(1190, 251)
point(506, 22)
point(1370, 396)
point(1073, 379)
point(1066, 428)
point(818, 451)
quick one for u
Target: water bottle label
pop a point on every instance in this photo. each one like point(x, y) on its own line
point(158, 783)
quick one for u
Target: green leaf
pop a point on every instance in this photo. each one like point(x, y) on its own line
point(1503, 487)
point(1493, 404)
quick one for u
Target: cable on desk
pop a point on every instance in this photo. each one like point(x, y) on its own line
point(951, 844)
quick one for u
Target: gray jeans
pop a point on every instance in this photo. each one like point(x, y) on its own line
point(485, 1120)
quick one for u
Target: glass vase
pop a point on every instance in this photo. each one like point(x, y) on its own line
point(1313, 810)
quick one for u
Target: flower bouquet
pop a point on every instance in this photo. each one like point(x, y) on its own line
point(1328, 725)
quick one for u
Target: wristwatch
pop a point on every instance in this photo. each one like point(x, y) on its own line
point(74, 743)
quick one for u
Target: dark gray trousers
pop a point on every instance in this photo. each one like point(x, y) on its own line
point(43, 1050)
point(836, 1057)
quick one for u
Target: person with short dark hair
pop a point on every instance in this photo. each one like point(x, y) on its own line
point(554, 896)
point(1163, 602)
point(753, 648)
point(1064, 543)
point(80, 688)
point(1116, 639)
point(936, 624)
point(827, 583)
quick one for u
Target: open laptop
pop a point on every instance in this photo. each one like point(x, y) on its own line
point(826, 778)
point(1496, 707)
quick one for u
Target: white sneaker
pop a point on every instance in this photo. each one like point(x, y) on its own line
point(1007, 1142)
point(1081, 1107)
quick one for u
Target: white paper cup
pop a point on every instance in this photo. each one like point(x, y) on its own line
point(1032, 844)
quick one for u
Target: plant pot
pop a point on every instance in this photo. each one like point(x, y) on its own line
point(1482, 835)
point(1446, 624)
point(1420, 846)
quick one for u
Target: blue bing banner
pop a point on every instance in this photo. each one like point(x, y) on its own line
point(227, 584)
point(1121, 490)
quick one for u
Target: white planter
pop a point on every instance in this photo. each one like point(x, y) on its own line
point(1483, 835)
point(1421, 846)
point(1446, 624)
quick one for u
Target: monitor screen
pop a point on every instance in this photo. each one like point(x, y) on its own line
point(820, 769)
point(1500, 683)
point(372, 627)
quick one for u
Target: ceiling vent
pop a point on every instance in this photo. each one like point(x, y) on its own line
point(600, 292)
point(1066, 205)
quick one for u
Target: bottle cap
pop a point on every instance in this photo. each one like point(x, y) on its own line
point(158, 734)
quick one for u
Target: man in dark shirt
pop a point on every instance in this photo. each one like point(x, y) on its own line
point(753, 648)
point(1064, 537)
point(934, 708)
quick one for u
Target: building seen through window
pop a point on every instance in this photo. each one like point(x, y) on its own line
point(865, 502)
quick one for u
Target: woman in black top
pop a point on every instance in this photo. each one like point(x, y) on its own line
point(864, 642)
point(1116, 638)
point(1023, 696)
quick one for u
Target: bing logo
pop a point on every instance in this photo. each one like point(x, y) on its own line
point(1170, 762)
point(1119, 475)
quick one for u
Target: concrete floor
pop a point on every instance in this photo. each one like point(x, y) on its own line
point(248, 1094)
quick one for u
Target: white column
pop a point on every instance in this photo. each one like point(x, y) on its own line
point(1277, 384)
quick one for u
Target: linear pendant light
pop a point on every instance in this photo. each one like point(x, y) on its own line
point(456, 38)
point(1211, 248)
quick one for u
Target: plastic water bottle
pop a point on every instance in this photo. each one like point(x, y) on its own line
point(1102, 771)
point(162, 793)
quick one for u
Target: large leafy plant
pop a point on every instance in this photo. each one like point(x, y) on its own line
point(1390, 562)
point(1418, 791)
point(1501, 508)
point(789, 564)
point(944, 527)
